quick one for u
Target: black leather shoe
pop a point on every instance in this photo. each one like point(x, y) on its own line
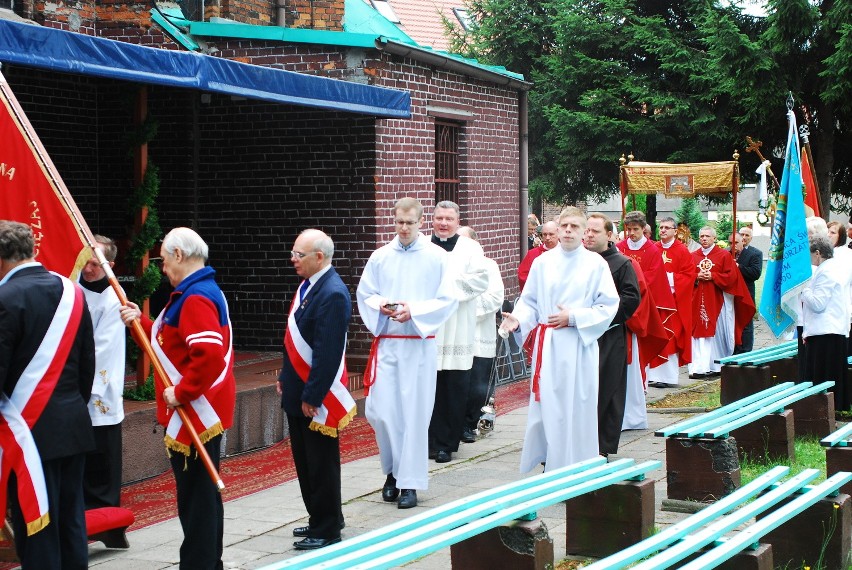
point(443, 457)
point(468, 436)
point(408, 498)
point(314, 543)
point(303, 531)
point(389, 491)
point(432, 454)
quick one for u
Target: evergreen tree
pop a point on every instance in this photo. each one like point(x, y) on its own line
point(689, 213)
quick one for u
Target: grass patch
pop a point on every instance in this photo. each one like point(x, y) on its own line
point(698, 395)
point(809, 455)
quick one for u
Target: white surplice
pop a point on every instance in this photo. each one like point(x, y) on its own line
point(562, 426)
point(399, 405)
point(635, 412)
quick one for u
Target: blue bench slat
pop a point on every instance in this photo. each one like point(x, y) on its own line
point(613, 471)
point(401, 556)
point(680, 530)
point(762, 407)
point(772, 358)
point(745, 356)
point(578, 471)
point(753, 533)
point(709, 535)
point(426, 516)
point(726, 428)
point(680, 426)
point(837, 437)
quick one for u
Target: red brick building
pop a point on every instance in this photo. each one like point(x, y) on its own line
point(250, 174)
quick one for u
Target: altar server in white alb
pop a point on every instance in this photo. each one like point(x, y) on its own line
point(567, 304)
point(102, 477)
point(404, 296)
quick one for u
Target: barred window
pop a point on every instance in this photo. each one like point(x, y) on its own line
point(447, 179)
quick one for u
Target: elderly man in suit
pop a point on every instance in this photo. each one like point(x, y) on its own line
point(750, 264)
point(47, 364)
point(312, 385)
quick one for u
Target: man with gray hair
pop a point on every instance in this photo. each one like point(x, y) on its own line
point(469, 278)
point(722, 306)
point(44, 321)
point(192, 338)
point(312, 385)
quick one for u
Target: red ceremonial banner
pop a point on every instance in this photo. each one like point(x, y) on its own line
point(28, 194)
point(811, 195)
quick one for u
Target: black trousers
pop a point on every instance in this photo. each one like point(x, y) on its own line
point(748, 339)
point(826, 360)
point(199, 509)
point(480, 390)
point(62, 543)
point(102, 474)
point(612, 387)
point(445, 429)
point(317, 459)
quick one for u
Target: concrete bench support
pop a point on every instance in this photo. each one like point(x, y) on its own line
point(603, 522)
point(758, 559)
point(740, 381)
point(784, 370)
point(701, 469)
point(839, 459)
point(799, 542)
point(815, 415)
point(525, 545)
point(771, 436)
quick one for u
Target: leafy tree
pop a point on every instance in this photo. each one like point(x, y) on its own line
point(678, 81)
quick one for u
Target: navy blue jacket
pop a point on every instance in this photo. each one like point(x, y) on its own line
point(323, 319)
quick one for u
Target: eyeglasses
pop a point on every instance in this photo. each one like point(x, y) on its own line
point(405, 222)
point(300, 255)
point(667, 227)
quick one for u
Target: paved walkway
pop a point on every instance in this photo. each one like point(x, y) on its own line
point(258, 528)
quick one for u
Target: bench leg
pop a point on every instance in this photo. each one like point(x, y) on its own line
point(769, 437)
point(737, 382)
point(701, 469)
point(815, 415)
point(608, 520)
point(839, 459)
point(784, 370)
point(113, 538)
point(758, 559)
point(822, 531)
point(522, 545)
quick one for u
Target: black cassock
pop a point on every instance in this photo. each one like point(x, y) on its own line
point(612, 388)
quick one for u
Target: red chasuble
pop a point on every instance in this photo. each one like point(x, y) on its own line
point(650, 259)
point(708, 299)
point(677, 260)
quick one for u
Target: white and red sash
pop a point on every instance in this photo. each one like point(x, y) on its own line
point(200, 411)
point(338, 407)
point(20, 411)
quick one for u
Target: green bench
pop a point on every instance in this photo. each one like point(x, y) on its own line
point(838, 453)
point(450, 524)
point(702, 452)
point(750, 372)
point(705, 538)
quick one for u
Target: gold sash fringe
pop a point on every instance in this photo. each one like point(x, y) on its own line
point(205, 436)
point(330, 431)
point(38, 524)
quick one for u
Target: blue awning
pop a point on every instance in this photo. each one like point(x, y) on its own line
point(57, 50)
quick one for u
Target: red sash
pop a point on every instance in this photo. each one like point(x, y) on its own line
point(20, 412)
point(338, 407)
point(533, 346)
point(372, 361)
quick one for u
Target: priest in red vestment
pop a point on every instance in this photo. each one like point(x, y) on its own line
point(722, 306)
point(649, 257)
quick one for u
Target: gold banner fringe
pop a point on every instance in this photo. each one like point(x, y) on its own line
point(330, 431)
point(38, 524)
point(205, 436)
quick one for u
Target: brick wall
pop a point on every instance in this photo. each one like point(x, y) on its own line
point(250, 175)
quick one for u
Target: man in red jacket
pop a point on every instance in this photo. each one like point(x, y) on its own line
point(192, 340)
point(549, 239)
